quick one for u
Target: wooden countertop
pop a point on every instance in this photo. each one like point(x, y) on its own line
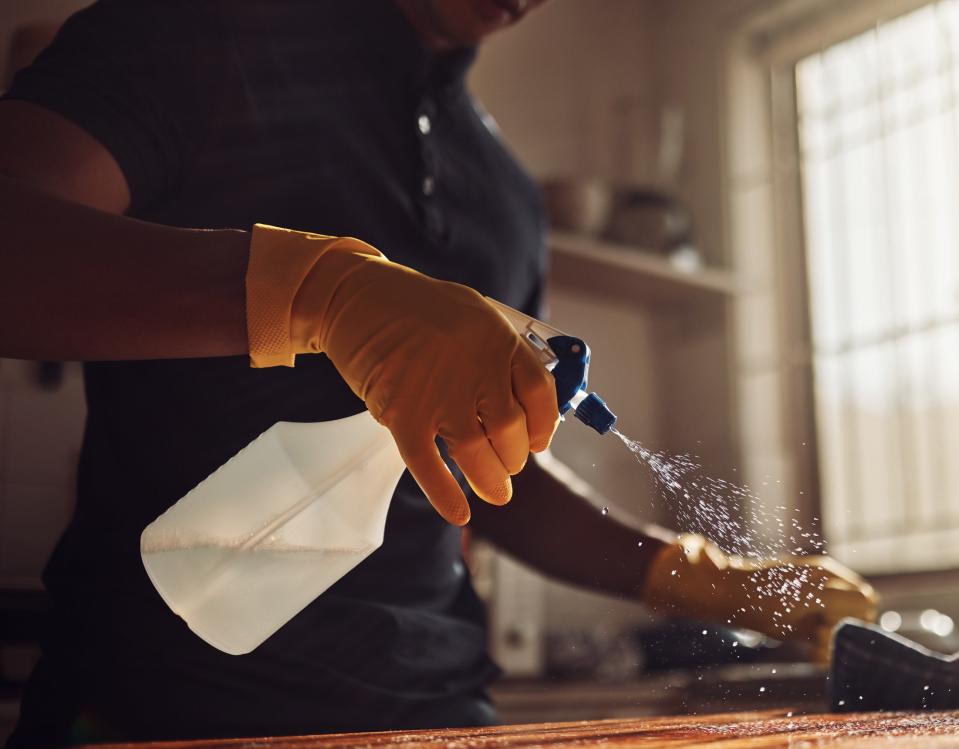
point(771, 729)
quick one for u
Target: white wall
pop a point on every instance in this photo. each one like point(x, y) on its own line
point(554, 81)
point(554, 84)
point(708, 66)
point(688, 48)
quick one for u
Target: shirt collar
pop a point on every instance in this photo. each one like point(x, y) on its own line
point(400, 49)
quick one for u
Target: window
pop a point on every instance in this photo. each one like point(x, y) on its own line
point(878, 118)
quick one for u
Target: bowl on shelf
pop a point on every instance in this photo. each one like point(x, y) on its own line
point(649, 218)
point(580, 205)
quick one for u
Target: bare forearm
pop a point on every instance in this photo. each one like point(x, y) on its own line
point(77, 283)
point(551, 526)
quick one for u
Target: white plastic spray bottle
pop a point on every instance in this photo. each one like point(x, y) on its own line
point(303, 504)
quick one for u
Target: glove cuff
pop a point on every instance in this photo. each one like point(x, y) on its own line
point(280, 260)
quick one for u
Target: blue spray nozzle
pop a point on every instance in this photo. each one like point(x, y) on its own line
point(571, 372)
point(571, 369)
point(567, 358)
point(594, 412)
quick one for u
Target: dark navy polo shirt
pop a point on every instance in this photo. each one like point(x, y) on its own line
point(320, 115)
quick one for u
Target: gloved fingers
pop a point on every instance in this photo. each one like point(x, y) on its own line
point(535, 390)
point(843, 577)
point(478, 461)
point(504, 422)
point(839, 604)
point(423, 459)
point(839, 590)
point(816, 621)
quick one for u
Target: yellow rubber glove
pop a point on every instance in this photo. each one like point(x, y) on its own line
point(793, 598)
point(429, 358)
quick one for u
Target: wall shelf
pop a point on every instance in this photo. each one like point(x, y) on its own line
point(601, 268)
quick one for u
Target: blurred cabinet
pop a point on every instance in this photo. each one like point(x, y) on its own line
point(41, 427)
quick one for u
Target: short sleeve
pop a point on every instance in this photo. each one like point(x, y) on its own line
point(131, 73)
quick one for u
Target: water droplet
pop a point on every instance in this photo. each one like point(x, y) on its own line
point(605, 511)
point(639, 543)
point(762, 689)
point(841, 703)
point(774, 670)
point(705, 632)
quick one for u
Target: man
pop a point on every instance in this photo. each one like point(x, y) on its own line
point(349, 118)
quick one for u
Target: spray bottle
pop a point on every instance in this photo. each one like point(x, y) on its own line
point(303, 504)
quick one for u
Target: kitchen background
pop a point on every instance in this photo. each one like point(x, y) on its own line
point(755, 211)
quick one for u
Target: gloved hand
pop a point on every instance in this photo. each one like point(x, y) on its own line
point(793, 598)
point(429, 358)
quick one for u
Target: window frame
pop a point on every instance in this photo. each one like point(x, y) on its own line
point(759, 83)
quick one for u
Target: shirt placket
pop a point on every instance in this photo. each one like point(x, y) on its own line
point(429, 173)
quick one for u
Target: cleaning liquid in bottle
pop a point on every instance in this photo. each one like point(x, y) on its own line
point(302, 505)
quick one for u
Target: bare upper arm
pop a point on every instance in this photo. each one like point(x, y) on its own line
point(48, 151)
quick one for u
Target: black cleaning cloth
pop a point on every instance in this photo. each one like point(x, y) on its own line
point(875, 670)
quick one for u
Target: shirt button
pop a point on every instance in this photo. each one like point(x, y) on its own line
point(423, 122)
point(429, 184)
